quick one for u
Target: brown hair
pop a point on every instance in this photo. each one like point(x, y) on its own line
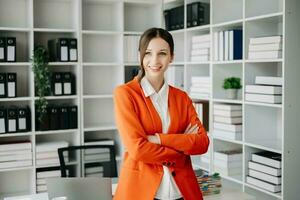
point(146, 37)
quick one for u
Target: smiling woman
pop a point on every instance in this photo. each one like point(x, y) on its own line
point(159, 127)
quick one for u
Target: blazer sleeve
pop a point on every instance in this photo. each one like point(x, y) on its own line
point(189, 144)
point(134, 137)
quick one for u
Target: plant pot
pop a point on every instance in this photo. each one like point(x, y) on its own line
point(231, 93)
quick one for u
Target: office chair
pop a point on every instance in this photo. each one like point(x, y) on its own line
point(93, 156)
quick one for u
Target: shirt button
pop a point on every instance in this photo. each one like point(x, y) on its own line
point(173, 173)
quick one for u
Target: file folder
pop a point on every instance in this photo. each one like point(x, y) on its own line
point(189, 15)
point(2, 120)
point(54, 118)
point(11, 84)
point(73, 117)
point(57, 87)
point(63, 117)
point(58, 50)
point(2, 49)
point(24, 120)
point(3, 89)
point(67, 83)
point(11, 45)
point(73, 50)
point(12, 120)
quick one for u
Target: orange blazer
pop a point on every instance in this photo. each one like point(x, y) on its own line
point(142, 170)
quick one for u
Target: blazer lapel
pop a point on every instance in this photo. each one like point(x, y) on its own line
point(173, 111)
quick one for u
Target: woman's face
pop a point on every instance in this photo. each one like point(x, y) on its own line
point(157, 58)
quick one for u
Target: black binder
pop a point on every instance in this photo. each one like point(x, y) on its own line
point(200, 13)
point(57, 84)
point(12, 123)
point(2, 120)
point(68, 83)
point(167, 19)
point(73, 50)
point(43, 125)
point(189, 15)
point(2, 49)
point(59, 50)
point(11, 46)
point(11, 84)
point(24, 120)
point(73, 117)
point(3, 87)
point(63, 117)
point(54, 118)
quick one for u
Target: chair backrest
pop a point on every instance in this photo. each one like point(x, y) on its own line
point(98, 160)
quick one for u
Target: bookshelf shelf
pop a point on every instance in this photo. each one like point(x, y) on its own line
point(17, 169)
point(16, 134)
point(16, 99)
point(103, 96)
point(53, 30)
point(277, 195)
point(227, 140)
point(263, 61)
point(15, 29)
point(234, 23)
point(277, 16)
point(255, 144)
point(52, 132)
point(263, 104)
point(90, 32)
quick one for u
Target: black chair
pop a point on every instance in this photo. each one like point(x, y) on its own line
point(93, 157)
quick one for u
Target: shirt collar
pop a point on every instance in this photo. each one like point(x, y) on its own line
point(149, 90)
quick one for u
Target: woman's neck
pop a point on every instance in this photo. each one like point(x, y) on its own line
point(156, 83)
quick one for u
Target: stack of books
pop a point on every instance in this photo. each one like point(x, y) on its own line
point(131, 45)
point(266, 89)
point(200, 87)
point(200, 48)
point(46, 153)
point(228, 121)
point(265, 47)
point(15, 154)
point(228, 162)
point(41, 177)
point(228, 45)
point(92, 157)
point(209, 184)
point(265, 171)
point(202, 109)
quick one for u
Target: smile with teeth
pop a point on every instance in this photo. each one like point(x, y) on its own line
point(155, 68)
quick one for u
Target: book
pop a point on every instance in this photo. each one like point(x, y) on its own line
point(228, 171)
point(263, 89)
point(227, 135)
point(228, 120)
point(264, 98)
point(264, 54)
point(264, 168)
point(228, 113)
point(228, 164)
point(235, 44)
point(17, 157)
point(48, 174)
point(262, 184)
point(17, 152)
point(50, 146)
point(12, 164)
point(216, 46)
point(200, 79)
point(200, 58)
point(265, 177)
point(15, 145)
point(227, 107)
point(266, 40)
point(201, 38)
point(228, 127)
point(90, 170)
point(99, 142)
point(202, 45)
point(221, 45)
point(267, 158)
point(97, 157)
point(269, 80)
point(197, 52)
point(266, 47)
point(229, 155)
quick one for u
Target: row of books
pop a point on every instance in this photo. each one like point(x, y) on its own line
point(228, 162)
point(228, 45)
point(15, 154)
point(228, 121)
point(267, 89)
point(200, 49)
point(15, 119)
point(63, 83)
point(265, 171)
point(131, 44)
point(8, 49)
point(63, 49)
point(8, 85)
point(58, 117)
point(269, 47)
point(209, 183)
point(46, 153)
point(200, 87)
point(202, 109)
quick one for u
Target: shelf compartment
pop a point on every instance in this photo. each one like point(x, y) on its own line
point(222, 71)
point(102, 48)
point(178, 47)
point(23, 44)
point(233, 8)
point(258, 7)
point(202, 70)
point(136, 16)
point(260, 193)
point(65, 13)
point(94, 85)
point(97, 111)
point(108, 15)
point(15, 13)
point(263, 126)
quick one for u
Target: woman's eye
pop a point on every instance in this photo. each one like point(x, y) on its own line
point(147, 53)
point(163, 53)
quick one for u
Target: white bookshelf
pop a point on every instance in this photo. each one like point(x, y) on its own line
point(270, 127)
point(100, 27)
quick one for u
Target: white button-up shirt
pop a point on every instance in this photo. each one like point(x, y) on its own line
point(168, 190)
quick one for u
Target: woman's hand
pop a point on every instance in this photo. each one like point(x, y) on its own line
point(153, 139)
point(191, 129)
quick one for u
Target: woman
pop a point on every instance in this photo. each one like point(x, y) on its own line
point(159, 128)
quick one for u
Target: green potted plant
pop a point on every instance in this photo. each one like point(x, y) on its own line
point(41, 72)
point(231, 86)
